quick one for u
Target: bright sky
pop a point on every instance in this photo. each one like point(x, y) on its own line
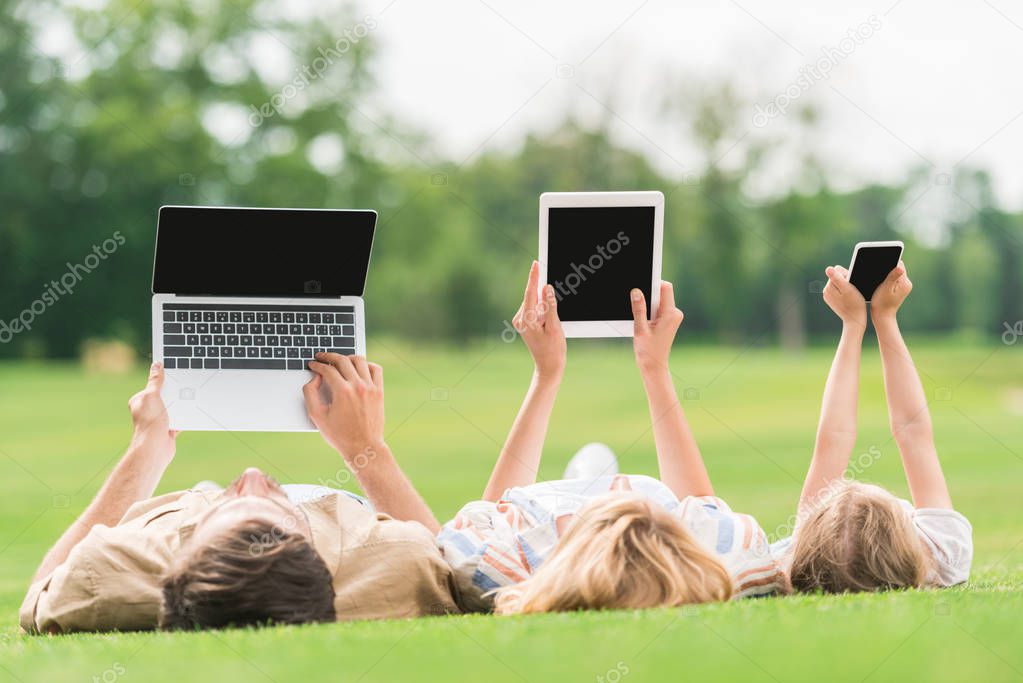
point(926, 83)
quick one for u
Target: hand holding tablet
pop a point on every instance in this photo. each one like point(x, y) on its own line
point(595, 248)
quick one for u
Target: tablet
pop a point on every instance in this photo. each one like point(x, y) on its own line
point(595, 247)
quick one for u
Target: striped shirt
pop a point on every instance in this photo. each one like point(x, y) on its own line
point(493, 545)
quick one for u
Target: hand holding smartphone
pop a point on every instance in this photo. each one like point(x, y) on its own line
point(871, 263)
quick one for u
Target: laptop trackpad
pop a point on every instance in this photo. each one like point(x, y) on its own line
point(244, 400)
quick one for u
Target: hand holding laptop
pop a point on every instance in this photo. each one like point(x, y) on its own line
point(345, 400)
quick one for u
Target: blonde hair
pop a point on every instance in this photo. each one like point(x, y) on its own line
point(858, 538)
point(622, 552)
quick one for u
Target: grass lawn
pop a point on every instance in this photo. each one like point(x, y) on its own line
point(754, 413)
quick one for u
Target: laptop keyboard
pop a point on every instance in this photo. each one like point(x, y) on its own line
point(253, 337)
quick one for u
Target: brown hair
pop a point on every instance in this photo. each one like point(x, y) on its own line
point(858, 538)
point(254, 574)
point(622, 552)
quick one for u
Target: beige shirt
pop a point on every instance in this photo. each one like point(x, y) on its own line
point(382, 568)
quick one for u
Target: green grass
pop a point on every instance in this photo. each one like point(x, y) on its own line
point(448, 411)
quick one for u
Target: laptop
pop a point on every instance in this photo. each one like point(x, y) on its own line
point(242, 300)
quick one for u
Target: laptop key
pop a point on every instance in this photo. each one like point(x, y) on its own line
point(348, 330)
point(252, 352)
point(173, 340)
point(197, 363)
point(246, 340)
point(229, 328)
point(192, 340)
point(249, 317)
point(208, 316)
point(205, 339)
point(288, 318)
point(243, 329)
point(259, 340)
point(346, 318)
point(292, 352)
point(216, 328)
point(301, 317)
point(295, 329)
point(219, 339)
point(182, 316)
point(281, 329)
point(306, 353)
point(343, 352)
point(221, 316)
point(168, 316)
point(170, 363)
point(238, 352)
point(234, 316)
point(324, 341)
point(321, 329)
point(195, 316)
point(278, 351)
point(266, 352)
point(226, 352)
point(273, 341)
point(211, 364)
point(213, 352)
point(261, 317)
point(275, 317)
point(199, 351)
point(172, 328)
point(252, 364)
point(177, 351)
point(188, 328)
point(296, 365)
point(232, 339)
point(344, 341)
point(202, 328)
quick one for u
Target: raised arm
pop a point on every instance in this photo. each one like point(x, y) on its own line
point(678, 456)
point(134, 478)
point(351, 419)
point(537, 323)
point(836, 431)
point(907, 404)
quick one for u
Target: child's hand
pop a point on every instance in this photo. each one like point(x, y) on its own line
point(538, 324)
point(891, 293)
point(843, 298)
point(652, 339)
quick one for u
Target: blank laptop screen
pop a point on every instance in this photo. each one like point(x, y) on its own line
point(262, 252)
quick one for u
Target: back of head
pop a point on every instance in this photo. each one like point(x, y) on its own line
point(858, 538)
point(621, 552)
point(253, 574)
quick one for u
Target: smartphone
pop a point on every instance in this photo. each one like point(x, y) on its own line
point(871, 263)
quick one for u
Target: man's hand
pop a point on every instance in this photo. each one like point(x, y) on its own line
point(652, 339)
point(150, 419)
point(538, 324)
point(352, 418)
point(891, 293)
point(843, 298)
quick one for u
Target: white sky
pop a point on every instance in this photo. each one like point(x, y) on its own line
point(935, 83)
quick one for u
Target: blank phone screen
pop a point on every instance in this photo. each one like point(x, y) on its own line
point(596, 256)
point(872, 266)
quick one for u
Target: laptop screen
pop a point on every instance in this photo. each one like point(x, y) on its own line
point(262, 252)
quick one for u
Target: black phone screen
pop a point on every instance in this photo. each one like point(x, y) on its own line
point(596, 256)
point(872, 266)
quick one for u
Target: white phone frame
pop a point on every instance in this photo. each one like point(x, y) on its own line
point(868, 245)
point(549, 200)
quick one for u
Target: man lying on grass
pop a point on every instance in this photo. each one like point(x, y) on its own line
point(248, 554)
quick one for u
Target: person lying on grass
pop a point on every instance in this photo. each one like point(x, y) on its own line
point(850, 536)
point(249, 554)
point(599, 540)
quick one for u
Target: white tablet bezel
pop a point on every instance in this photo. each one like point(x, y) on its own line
point(549, 200)
point(868, 245)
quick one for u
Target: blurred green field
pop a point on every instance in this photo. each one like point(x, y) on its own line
point(754, 412)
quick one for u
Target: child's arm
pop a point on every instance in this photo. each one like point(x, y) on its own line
point(678, 456)
point(538, 324)
point(907, 404)
point(836, 431)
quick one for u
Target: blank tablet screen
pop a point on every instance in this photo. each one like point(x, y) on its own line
point(596, 256)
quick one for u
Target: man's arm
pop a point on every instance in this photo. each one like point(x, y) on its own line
point(352, 421)
point(678, 456)
point(134, 478)
point(836, 430)
point(537, 323)
point(908, 413)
